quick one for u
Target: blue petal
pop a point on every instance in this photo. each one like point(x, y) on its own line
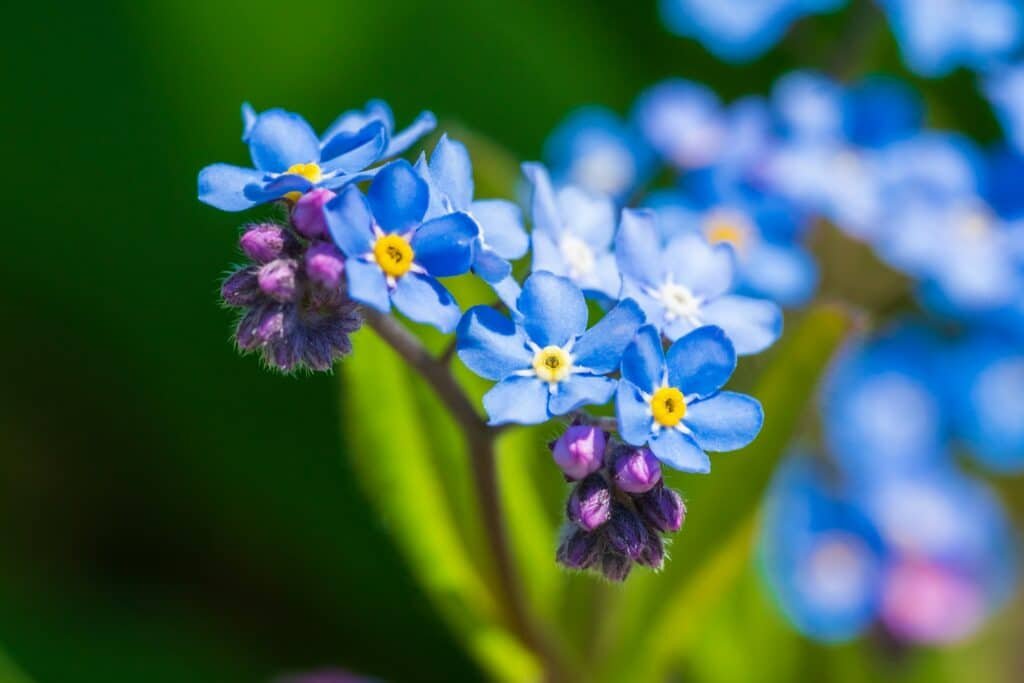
point(248, 120)
point(579, 391)
point(589, 217)
point(352, 152)
point(283, 184)
point(366, 284)
point(452, 172)
point(604, 281)
point(546, 255)
point(638, 247)
point(350, 223)
point(224, 186)
point(425, 300)
point(701, 362)
point(437, 206)
point(705, 270)
point(280, 139)
point(680, 452)
point(444, 246)
point(502, 225)
point(543, 207)
point(601, 347)
point(553, 309)
point(643, 362)
point(491, 267)
point(356, 119)
point(521, 400)
point(403, 140)
point(633, 413)
point(786, 274)
point(398, 197)
point(724, 422)
point(490, 344)
point(508, 290)
point(751, 324)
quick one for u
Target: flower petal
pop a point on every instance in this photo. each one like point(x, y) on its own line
point(701, 362)
point(224, 186)
point(355, 120)
point(546, 255)
point(398, 197)
point(279, 139)
point(579, 391)
point(501, 223)
point(724, 422)
point(680, 452)
point(521, 400)
point(589, 217)
point(708, 271)
point(633, 413)
point(366, 284)
point(425, 300)
point(542, 203)
point(452, 172)
point(553, 309)
point(601, 347)
point(786, 274)
point(491, 267)
point(490, 344)
point(643, 362)
point(508, 290)
point(638, 248)
point(352, 152)
point(751, 324)
point(404, 139)
point(350, 223)
point(444, 246)
point(248, 120)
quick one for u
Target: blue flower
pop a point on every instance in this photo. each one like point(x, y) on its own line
point(290, 159)
point(941, 35)
point(683, 122)
point(547, 362)
point(392, 255)
point(595, 150)
point(1005, 90)
point(673, 401)
point(449, 176)
point(572, 235)
point(683, 284)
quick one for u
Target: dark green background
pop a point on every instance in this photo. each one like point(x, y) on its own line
point(169, 511)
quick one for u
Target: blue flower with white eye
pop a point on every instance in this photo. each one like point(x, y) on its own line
point(572, 235)
point(546, 362)
point(392, 255)
point(597, 151)
point(1005, 90)
point(684, 283)
point(682, 121)
point(290, 159)
point(938, 36)
point(449, 175)
point(738, 33)
point(672, 401)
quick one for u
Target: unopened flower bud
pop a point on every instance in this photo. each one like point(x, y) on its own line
point(637, 471)
point(663, 509)
point(626, 532)
point(241, 288)
point(308, 213)
point(580, 451)
point(653, 554)
point(590, 503)
point(325, 264)
point(615, 567)
point(265, 242)
point(277, 279)
point(579, 550)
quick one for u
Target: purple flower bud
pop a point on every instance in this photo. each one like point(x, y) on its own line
point(241, 288)
point(626, 532)
point(653, 554)
point(265, 242)
point(662, 508)
point(579, 550)
point(277, 279)
point(637, 471)
point(324, 264)
point(590, 503)
point(308, 213)
point(615, 567)
point(580, 451)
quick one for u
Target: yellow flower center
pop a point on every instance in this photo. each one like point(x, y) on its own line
point(393, 254)
point(668, 406)
point(726, 227)
point(552, 364)
point(310, 172)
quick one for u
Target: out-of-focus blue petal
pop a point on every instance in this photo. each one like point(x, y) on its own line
point(490, 344)
point(501, 223)
point(707, 271)
point(404, 139)
point(553, 309)
point(425, 300)
point(638, 247)
point(230, 188)
point(356, 119)
point(881, 110)
point(633, 413)
point(367, 285)
point(604, 282)
point(751, 324)
point(809, 105)
point(590, 217)
point(491, 267)
point(546, 256)
point(518, 400)
point(398, 197)
point(600, 348)
point(787, 274)
point(725, 422)
point(1004, 88)
point(350, 223)
point(452, 172)
point(682, 121)
point(508, 290)
point(701, 362)
point(280, 139)
point(543, 206)
point(643, 362)
point(248, 120)
point(444, 246)
point(352, 152)
point(680, 452)
point(579, 391)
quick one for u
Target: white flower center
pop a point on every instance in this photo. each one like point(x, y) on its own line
point(578, 255)
point(679, 302)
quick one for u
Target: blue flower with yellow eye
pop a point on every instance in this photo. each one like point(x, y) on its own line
point(545, 361)
point(290, 159)
point(392, 255)
point(673, 402)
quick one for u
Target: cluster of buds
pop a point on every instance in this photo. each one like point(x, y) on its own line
point(619, 507)
point(294, 311)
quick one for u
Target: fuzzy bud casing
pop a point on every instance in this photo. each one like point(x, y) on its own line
point(325, 264)
point(580, 451)
point(265, 242)
point(590, 503)
point(579, 550)
point(626, 532)
point(277, 279)
point(615, 567)
point(663, 509)
point(637, 471)
point(308, 213)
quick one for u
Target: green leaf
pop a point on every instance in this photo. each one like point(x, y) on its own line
point(658, 612)
point(9, 672)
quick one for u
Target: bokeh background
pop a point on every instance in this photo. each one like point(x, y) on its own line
point(168, 510)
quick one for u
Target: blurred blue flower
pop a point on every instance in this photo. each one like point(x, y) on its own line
point(673, 400)
point(937, 36)
point(392, 256)
point(597, 151)
point(683, 122)
point(684, 282)
point(738, 31)
point(572, 234)
point(547, 362)
point(1004, 88)
point(290, 159)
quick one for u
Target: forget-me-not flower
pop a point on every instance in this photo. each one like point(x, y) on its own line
point(683, 122)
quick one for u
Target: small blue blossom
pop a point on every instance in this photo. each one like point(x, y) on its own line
point(683, 122)
point(684, 283)
point(673, 400)
point(290, 159)
point(392, 255)
point(546, 362)
point(572, 234)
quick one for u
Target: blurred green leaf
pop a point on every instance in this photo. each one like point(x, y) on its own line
point(9, 672)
